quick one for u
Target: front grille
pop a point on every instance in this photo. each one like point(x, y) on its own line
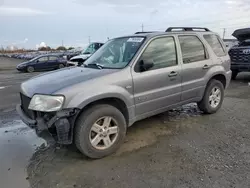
point(25, 101)
point(237, 56)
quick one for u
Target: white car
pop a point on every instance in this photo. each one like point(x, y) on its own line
point(79, 60)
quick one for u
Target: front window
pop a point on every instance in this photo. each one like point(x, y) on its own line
point(116, 53)
point(43, 59)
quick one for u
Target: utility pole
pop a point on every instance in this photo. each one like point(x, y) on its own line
point(62, 42)
point(142, 27)
point(89, 40)
point(224, 33)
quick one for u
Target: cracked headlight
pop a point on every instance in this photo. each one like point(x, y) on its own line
point(46, 103)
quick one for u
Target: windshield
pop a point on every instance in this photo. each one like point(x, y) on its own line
point(88, 50)
point(116, 53)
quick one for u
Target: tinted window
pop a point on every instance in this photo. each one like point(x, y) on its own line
point(215, 44)
point(161, 52)
point(192, 49)
point(53, 58)
point(43, 59)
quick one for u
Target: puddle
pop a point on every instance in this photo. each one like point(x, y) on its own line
point(146, 132)
point(17, 144)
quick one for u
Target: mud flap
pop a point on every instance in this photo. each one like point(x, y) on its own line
point(63, 131)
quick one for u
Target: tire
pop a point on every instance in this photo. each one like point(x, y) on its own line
point(84, 125)
point(205, 104)
point(234, 75)
point(61, 66)
point(30, 69)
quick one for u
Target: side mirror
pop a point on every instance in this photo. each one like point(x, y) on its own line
point(145, 65)
point(87, 53)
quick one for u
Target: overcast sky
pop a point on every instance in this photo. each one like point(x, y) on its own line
point(27, 23)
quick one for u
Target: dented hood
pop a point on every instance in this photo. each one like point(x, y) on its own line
point(242, 34)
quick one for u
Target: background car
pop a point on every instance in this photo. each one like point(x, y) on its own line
point(43, 62)
point(92, 48)
point(240, 54)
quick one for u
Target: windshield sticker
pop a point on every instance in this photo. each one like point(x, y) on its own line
point(135, 39)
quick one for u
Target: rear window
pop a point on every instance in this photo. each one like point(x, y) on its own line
point(192, 49)
point(215, 44)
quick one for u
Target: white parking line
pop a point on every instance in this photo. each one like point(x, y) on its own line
point(2, 87)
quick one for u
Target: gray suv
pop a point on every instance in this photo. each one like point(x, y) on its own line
point(128, 79)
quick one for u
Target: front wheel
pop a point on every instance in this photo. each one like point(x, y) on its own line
point(30, 69)
point(100, 131)
point(213, 97)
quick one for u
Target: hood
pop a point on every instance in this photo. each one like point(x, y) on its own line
point(82, 56)
point(51, 82)
point(242, 34)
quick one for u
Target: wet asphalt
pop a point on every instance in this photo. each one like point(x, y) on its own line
point(179, 148)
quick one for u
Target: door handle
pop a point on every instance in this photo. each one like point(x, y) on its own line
point(206, 67)
point(172, 74)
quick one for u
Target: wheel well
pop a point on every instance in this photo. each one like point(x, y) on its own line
point(221, 78)
point(116, 102)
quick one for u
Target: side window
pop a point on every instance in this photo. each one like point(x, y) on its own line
point(53, 58)
point(162, 52)
point(42, 59)
point(215, 44)
point(192, 49)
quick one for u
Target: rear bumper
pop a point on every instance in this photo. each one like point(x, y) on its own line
point(240, 67)
point(60, 125)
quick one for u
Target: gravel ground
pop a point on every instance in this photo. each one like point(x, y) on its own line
point(179, 148)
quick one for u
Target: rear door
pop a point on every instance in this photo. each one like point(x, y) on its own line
point(160, 86)
point(41, 63)
point(53, 62)
point(195, 65)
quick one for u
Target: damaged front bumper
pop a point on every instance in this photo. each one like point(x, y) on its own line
point(59, 124)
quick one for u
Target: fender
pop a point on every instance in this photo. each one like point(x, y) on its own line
point(215, 70)
point(90, 95)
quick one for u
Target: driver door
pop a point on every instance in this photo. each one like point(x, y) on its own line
point(158, 88)
point(42, 63)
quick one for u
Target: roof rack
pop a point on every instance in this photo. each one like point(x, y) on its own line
point(142, 32)
point(187, 29)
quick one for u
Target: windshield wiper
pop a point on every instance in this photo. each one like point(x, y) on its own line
point(99, 66)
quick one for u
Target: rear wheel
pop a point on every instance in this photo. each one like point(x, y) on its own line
point(30, 69)
point(234, 74)
point(61, 66)
point(213, 97)
point(100, 131)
